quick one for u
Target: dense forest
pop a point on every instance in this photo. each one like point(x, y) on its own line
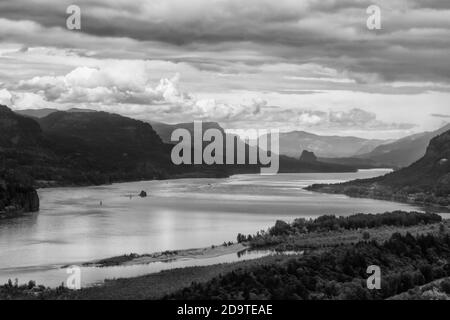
point(16, 193)
point(341, 273)
point(283, 234)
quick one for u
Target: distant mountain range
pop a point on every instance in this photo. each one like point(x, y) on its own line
point(165, 130)
point(427, 181)
point(348, 151)
point(403, 152)
point(287, 164)
point(41, 113)
point(360, 153)
point(293, 143)
point(42, 148)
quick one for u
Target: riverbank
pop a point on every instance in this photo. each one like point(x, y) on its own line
point(167, 256)
point(382, 193)
point(293, 243)
point(166, 283)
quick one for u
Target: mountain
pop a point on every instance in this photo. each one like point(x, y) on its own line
point(287, 164)
point(292, 144)
point(68, 148)
point(72, 148)
point(92, 147)
point(405, 151)
point(18, 131)
point(101, 147)
point(308, 156)
point(41, 113)
point(17, 194)
point(359, 163)
point(291, 165)
point(165, 130)
point(427, 181)
point(36, 113)
point(19, 138)
point(82, 148)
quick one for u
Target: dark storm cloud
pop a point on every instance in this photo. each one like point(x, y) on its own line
point(412, 45)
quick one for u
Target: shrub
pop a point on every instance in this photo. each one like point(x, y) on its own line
point(445, 286)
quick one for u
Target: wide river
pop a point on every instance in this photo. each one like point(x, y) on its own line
point(82, 224)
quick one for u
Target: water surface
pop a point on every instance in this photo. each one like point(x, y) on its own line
point(82, 224)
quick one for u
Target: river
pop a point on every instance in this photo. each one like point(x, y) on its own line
point(77, 225)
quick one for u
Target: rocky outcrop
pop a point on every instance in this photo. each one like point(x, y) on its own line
point(308, 156)
point(143, 194)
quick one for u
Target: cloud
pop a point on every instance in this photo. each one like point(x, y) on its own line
point(23, 100)
point(412, 46)
point(122, 85)
point(261, 63)
point(5, 97)
point(308, 118)
point(353, 119)
point(114, 83)
point(127, 87)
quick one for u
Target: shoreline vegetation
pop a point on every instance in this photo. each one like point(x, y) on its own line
point(320, 238)
point(378, 192)
point(168, 256)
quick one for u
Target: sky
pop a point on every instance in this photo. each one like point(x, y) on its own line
point(310, 65)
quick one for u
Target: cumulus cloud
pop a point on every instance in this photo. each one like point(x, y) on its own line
point(23, 100)
point(5, 97)
point(120, 85)
point(352, 119)
point(127, 87)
